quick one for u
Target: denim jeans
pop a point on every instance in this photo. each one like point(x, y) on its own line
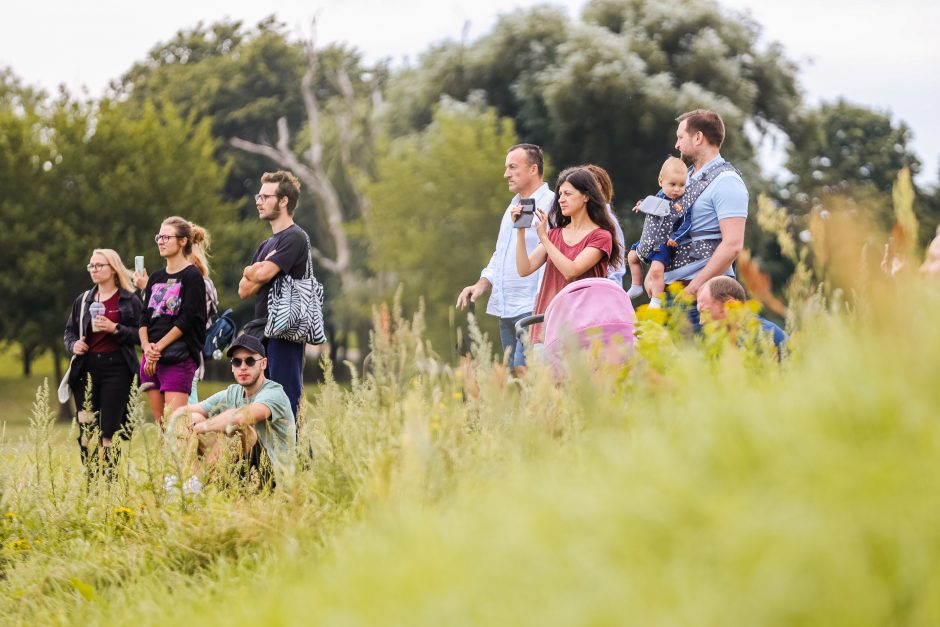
point(692, 312)
point(507, 335)
point(286, 366)
point(110, 390)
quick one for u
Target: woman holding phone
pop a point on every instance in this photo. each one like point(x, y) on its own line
point(173, 324)
point(579, 246)
point(104, 348)
point(200, 259)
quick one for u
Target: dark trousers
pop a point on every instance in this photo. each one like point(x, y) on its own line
point(286, 366)
point(110, 390)
point(692, 312)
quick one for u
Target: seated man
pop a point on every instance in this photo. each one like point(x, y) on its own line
point(713, 299)
point(255, 407)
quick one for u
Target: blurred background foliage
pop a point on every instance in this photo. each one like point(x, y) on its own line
point(414, 153)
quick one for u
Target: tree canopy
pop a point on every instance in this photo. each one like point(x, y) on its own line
point(403, 162)
point(436, 205)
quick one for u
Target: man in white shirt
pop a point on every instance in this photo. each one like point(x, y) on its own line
point(513, 296)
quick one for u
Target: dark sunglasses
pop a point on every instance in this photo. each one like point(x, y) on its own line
point(249, 361)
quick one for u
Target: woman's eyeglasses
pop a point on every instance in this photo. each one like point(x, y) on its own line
point(249, 361)
point(160, 239)
point(97, 266)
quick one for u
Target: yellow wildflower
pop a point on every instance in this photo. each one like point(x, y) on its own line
point(9, 515)
point(18, 544)
point(126, 511)
point(645, 312)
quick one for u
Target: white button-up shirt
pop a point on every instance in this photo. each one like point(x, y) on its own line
point(512, 294)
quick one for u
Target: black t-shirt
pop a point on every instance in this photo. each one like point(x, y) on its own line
point(288, 250)
point(176, 300)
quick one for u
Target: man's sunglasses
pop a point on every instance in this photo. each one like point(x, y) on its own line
point(249, 361)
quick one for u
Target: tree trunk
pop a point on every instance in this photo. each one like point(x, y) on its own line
point(27, 353)
point(56, 366)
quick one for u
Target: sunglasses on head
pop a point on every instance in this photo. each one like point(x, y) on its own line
point(249, 361)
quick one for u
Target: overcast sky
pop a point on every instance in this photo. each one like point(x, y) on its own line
point(878, 54)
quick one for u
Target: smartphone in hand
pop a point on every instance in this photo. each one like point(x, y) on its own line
point(525, 218)
point(139, 263)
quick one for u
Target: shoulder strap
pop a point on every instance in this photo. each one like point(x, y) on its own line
point(81, 314)
point(309, 272)
point(695, 188)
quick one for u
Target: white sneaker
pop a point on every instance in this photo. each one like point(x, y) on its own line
point(192, 486)
point(170, 482)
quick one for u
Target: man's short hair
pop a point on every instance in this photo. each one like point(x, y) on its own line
point(533, 154)
point(725, 288)
point(287, 185)
point(708, 122)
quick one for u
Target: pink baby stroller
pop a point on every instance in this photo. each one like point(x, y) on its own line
point(595, 314)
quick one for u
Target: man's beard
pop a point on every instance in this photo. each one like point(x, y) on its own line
point(274, 215)
point(252, 382)
point(687, 159)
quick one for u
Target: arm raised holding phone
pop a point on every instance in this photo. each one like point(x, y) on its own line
point(527, 263)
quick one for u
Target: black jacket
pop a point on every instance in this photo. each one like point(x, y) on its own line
point(128, 335)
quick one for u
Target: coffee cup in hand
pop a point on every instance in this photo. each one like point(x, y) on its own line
point(94, 310)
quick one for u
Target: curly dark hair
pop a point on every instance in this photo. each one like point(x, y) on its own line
point(287, 185)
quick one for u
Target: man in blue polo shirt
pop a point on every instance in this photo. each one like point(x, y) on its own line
point(719, 213)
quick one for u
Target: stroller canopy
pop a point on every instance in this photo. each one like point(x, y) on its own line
point(597, 312)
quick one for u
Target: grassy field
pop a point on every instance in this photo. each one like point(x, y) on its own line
point(704, 483)
point(18, 393)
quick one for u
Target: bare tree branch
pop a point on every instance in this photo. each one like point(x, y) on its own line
point(256, 149)
point(310, 98)
point(325, 262)
point(313, 174)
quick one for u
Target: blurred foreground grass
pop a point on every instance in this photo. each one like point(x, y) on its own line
point(703, 484)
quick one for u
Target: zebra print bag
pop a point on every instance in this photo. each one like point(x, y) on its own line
point(295, 307)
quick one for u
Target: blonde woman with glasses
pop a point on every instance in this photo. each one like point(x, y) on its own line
point(104, 349)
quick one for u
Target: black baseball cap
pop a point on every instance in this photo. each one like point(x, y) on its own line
point(249, 342)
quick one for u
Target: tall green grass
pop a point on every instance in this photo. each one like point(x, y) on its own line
point(703, 483)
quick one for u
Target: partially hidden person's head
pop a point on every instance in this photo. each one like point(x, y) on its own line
point(673, 177)
point(200, 252)
point(106, 269)
point(248, 359)
point(577, 189)
point(699, 132)
point(180, 236)
point(525, 165)
point(716, 293)
point(280, 192)
point(603, 180)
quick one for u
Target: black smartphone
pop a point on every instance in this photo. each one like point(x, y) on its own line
point(525, 218)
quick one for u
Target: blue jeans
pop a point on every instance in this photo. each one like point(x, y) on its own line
point(507, 335)
point(286, 366)
point(692, 312)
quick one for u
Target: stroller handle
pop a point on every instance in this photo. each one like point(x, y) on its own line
point(526, 322)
